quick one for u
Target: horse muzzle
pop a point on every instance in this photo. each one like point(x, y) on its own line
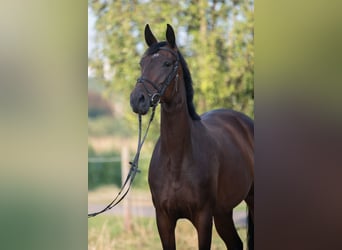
point(140, 102)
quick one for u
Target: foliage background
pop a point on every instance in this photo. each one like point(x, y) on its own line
point(215, 37)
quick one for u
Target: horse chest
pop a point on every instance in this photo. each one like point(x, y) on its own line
point(176, 187)
point(177, 192)
point(176, 197)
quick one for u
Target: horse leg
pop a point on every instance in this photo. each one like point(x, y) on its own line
point(250, 231)
point(250, 201)
point(204, 225)
point(225, 227)
point(166, 228)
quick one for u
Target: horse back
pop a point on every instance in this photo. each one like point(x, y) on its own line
point(230, 123)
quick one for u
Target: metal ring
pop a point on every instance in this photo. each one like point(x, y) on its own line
point(155, 99)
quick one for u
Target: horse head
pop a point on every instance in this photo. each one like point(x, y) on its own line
point(159, 72)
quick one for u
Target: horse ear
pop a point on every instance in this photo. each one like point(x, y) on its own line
point(149, 37)
point(170, 36)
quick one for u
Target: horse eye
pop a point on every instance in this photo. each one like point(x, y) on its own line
point(167, 64)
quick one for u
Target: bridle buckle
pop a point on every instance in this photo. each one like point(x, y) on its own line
point(155, 99)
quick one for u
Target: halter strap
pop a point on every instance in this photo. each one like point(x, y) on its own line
point(155, 97)
point(171, 51)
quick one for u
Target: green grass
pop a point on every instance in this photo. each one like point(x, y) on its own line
point(241, 207)
point(107, 232)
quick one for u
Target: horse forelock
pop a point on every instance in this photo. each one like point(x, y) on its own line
point(154, 48)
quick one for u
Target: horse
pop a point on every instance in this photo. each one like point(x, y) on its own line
point(202, 166)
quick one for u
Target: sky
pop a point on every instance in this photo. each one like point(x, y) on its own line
point(91, 31)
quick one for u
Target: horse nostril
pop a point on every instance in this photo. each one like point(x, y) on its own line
point(142, 99)
point(139, 103)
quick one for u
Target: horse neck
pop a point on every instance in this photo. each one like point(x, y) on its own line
point(175, 132)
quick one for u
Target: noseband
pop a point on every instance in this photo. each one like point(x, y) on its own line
point(155, 97)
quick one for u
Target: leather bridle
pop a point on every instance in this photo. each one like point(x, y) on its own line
point(155, 97)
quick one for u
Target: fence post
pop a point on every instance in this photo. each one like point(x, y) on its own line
point(126, 204)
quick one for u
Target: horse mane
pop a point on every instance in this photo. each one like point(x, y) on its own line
point(186, 76)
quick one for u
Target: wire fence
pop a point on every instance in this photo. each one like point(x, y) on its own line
point(104, 159)
point(108, 169)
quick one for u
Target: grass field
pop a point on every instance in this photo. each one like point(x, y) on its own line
point(107, 231)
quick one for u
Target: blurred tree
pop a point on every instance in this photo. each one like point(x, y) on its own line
point(216, 38)
point(98, 106)
point(221, 53)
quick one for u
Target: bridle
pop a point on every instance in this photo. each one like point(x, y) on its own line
point(154, 100)
point(155, 97)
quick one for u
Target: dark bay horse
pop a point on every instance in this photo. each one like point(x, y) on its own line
point(202, 166)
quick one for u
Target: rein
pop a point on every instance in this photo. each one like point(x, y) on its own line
point(154, 100)
point(132, 172)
